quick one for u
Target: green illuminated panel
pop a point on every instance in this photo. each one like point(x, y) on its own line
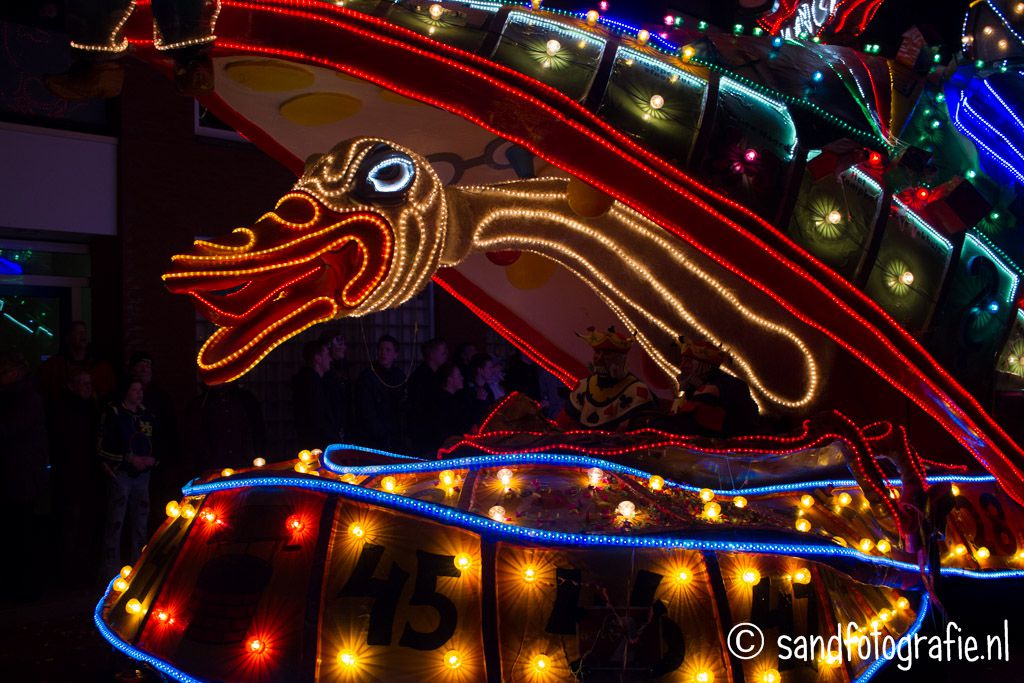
point(833, 219)
point(558, 54)
point(1010, 365)
point(656, 103)
point(765, 122)
point(906, 279)
point(461, 25)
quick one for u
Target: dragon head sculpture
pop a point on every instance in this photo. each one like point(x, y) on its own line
point(362, 230)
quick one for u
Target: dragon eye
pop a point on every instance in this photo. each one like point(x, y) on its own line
point(393, 174)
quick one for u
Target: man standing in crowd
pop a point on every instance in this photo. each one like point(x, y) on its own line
point(316, 422)
point(378, 399)
point(423, 389)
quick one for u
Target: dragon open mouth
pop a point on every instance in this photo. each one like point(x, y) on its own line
point(298, 265)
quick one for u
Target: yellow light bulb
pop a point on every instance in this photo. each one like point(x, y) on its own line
point(656, 483)
point(187, 511)
point(803, 525)
point(463, 561)
point(960, 550)
point(706, 495)
point(657, 102)
point(806, 501)
point(903, 603)
point(388, 484)
point(712, 510)
point(435, 11)
point(594, 476)
point(552, 47)
point(541, 663)
point(955, 490)
point(133, 607)
point(626, 509)
point(347, 658)
point(172, 509)
point(642, 36)
point(883, 546)
point(226, 472)
point(704, 676)
point(259, 462)
point(865, 545)
point(982, 553)
point(688, 52)
point(497, 513)
point(120, 585)
point(452, 659)
point(802, 576)
point(682, 576)
point(348, 478)
point(750, 576)
point(357, 530)
point(447, 478)
point(844, 499)
point(906, 278)
point(301, 468)
point(305, 456)
point(592, 17)
point(126, 571)
point(771, 676)
point(739, 501)
point(505, 476)
point(1019, 8)
point(529, 574)
point(876, 624)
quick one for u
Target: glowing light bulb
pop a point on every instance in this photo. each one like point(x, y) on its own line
point(316, 452)
point(259, 462)
point(348, 478)
point(1018, 8)
point(133, 607)
point(803, 525)
point(226, 472)
point(802, 576)
point(535, 4)
point(592, 17)
point(906, 278)
point(594, 476)
point(301, 468)
point(163, 616)
point(497, 513)
point(865, 545)
point(172, 509)
point(505, 476)
point(357, 530)
point(740, 502)
point(530, 574)
point(436, 11)
point(751, 155)
point(452, 659)
point(208, 516)
point(982, 553)
point(960, 550)
point(923, 194)
point(447, 478)
point(988, 30)
point(626, 509)
point(770, 676)
point(883, 546)
point(955, 490)
point(541, 663)
point(603, 5)
point(706, 495)
point(750, 576)
point(712, 510)
point(294, 524)
point(305, 456)
point(126, 571)
point(682, 576)
point(704, 676)
point(885, 615)
point(347, 658)
point(844, 499)
point(187, 511)
point(552, 47)
point(657, 102)
point(806, 501)
point(255, 646)
point(903, 603)
point(642, 36)
point(388, 484)
point(463, 561)
point(834, 217)
point(688, 52)
point(656, 483)
point(120, 585)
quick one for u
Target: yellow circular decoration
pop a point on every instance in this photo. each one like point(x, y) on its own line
point(321, 108)
point(586, 200)
point(530, 271)
point(267, 75)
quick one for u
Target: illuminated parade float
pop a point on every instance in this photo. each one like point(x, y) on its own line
point(832, 220)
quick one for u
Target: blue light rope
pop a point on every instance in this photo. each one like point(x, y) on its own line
point(480, 524)
point(569, 460)
point(880, 662)
point(130, 650)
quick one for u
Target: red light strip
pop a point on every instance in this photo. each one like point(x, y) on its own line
point(1005, 467)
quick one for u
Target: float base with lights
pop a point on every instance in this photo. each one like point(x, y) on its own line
point(526, 551)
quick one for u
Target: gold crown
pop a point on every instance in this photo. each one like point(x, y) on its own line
point(701, 350)
point(607, 341)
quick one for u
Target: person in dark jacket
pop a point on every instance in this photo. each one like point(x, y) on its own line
point(423, 389)
point(450, 413)
point(713, 402)
point(316, 423)
point(128, 436)
point(380, 391)
point(339, 380)
point(479, 392)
